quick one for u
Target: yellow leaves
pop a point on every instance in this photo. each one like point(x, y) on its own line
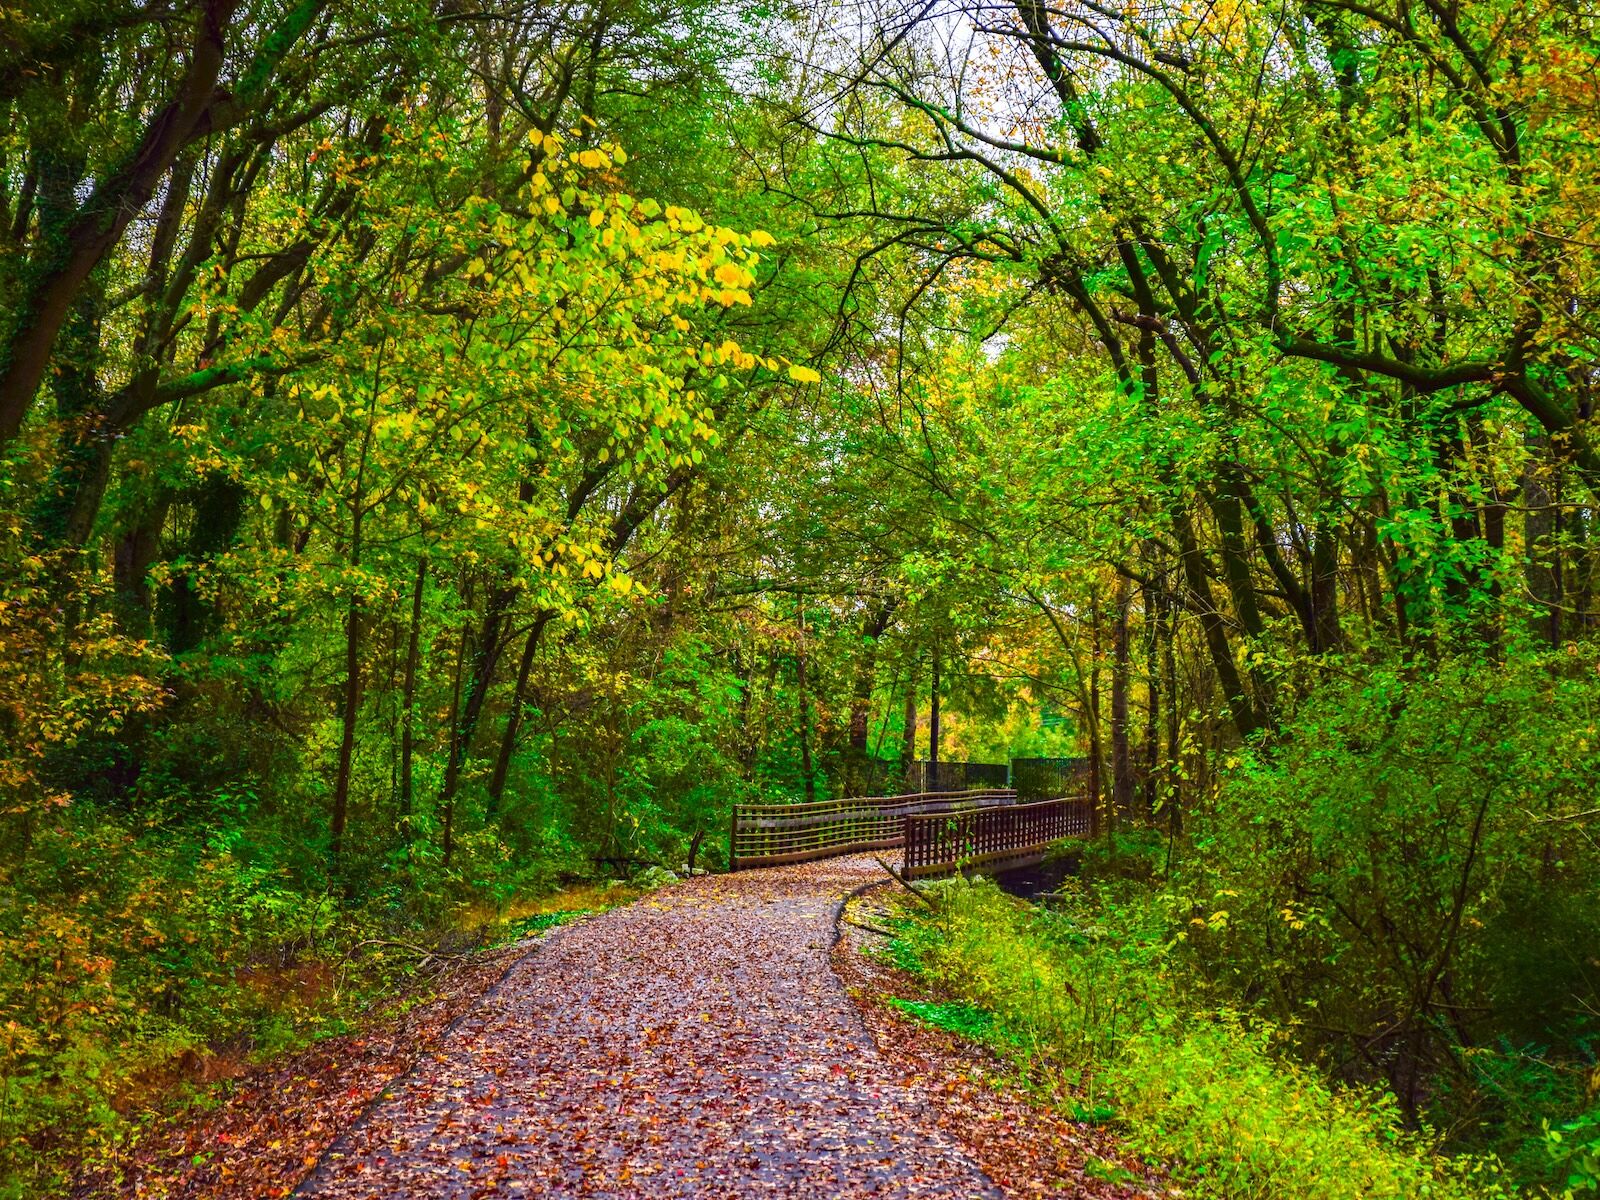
point(803, 374)
point(596, 219)
point(760, 237)
point(685, 219)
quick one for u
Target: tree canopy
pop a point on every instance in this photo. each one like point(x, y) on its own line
point(452, 449)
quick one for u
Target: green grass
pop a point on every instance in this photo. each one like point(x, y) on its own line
point(523, 927)
point(965, 1019)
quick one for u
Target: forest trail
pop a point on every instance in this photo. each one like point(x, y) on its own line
point(695, 1043)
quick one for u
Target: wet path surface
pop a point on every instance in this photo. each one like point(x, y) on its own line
point(695, 1043)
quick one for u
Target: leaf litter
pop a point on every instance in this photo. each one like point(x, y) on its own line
point(699, 1042)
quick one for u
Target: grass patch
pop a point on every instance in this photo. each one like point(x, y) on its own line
point(535, 923)
point(956, 1017)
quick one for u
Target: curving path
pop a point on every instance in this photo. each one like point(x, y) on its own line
point(695, 1043)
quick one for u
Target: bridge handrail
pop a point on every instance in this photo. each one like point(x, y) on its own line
point(938, 843)
point(774, 834)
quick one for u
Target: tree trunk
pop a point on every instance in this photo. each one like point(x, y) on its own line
point(1121, 757)
point(487, 649)
point(808, 776)
point(1539, 527)
point(858, 776)
point(1245, 717)
point(134, 553)
point(347, 736)
point(908, 745)
point(934, 784)
point(1152, 673)
point(409, 697)
point(519, 697)
point(1174, 798)
point(446, 804)
point(1096, 767)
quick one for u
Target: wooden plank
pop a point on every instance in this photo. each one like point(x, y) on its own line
point(943, 843)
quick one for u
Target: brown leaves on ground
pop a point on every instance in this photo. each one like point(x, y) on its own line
point(278, 1120)
point(695, 1043)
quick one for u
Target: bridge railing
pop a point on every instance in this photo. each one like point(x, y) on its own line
point(939, 843)
point(769, 835)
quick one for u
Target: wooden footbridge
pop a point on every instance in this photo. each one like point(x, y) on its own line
point(939, 832)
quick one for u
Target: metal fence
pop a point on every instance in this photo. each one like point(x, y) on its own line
point(1048, 778)
point(957, 776)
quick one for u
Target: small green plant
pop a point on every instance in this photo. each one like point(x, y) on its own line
point(1102, 1169)
point(1091, 1113)
point(1574, 1147)
point(964, 1019)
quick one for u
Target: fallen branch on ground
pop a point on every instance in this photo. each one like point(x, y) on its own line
point(902, 881)
point(888, 933)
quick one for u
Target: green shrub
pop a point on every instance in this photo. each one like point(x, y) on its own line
point(1092, 996)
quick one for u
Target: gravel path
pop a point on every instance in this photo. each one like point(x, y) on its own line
point(695, 1043)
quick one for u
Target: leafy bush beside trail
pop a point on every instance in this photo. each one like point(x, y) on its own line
point(1094, 997)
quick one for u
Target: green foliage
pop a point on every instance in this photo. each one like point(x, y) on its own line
point(1574, 1146)
point(968, 1021)
point(1400, 875)
point(1092, 996)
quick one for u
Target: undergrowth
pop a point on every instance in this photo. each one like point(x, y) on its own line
point(1089, 998)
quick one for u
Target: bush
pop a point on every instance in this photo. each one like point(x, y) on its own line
point(127, 957)
point(1401, 883)
point(1093, 996)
